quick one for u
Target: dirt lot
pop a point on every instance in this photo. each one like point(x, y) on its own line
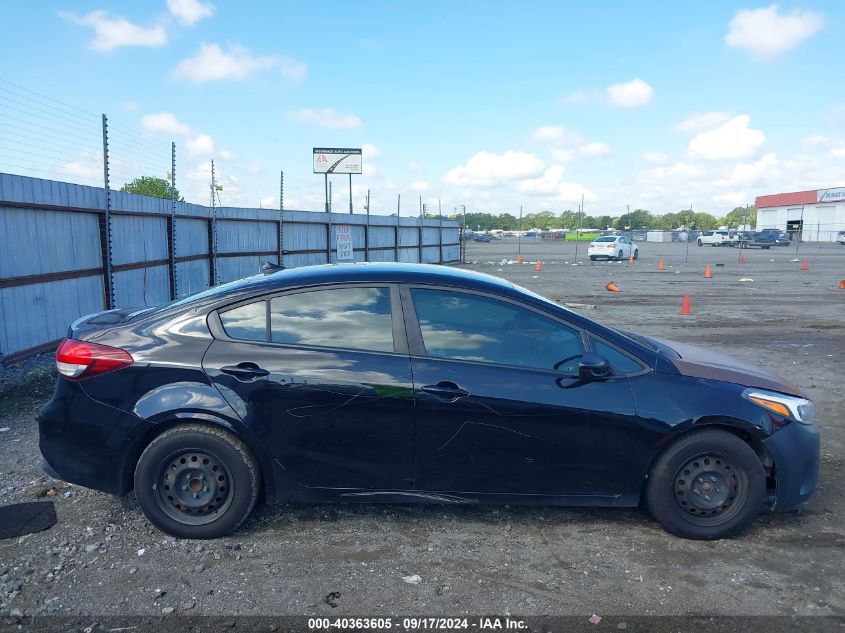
point(103, 558)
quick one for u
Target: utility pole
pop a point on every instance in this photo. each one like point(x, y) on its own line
point(281, 255)
point(350, 193)
point(689, 233)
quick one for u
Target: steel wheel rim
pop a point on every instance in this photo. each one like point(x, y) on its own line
point(193, 487)
point(710, 489)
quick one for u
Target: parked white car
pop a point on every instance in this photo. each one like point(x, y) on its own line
point(715, 238)
point(613, 247)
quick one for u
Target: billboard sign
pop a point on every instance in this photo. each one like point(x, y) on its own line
point(343, 243)
point(831, 195)
point(337, 160)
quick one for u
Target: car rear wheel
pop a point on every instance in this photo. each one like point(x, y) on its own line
point(620, 256)
point(592, 258)
point(196, 481)
point(706, 485)
point(636, 253)
point(700, 243)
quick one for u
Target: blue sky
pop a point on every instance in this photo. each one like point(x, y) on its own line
point(491, 104)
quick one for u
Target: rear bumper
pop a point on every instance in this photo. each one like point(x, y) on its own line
point(83, 441)
point(795, 450)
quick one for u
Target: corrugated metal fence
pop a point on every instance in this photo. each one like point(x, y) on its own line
point(54, 250)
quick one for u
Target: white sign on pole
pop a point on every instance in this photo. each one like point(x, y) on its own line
point(830, 195)
point(343, 243)
point(337, 160)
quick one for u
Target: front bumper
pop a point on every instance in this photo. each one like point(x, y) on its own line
point(796, 452)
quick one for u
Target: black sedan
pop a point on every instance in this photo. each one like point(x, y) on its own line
point(414, 383)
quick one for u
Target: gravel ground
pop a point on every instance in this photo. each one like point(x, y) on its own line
point(103, 558)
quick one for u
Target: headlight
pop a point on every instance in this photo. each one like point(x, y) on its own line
point(799, 409)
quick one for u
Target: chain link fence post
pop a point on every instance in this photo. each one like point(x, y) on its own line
point(105, 225)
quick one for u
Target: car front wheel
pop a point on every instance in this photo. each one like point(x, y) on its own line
point(707, 484)
point(700, 243)
point(196, 481)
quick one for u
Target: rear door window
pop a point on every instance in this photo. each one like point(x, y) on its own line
point(349, 318)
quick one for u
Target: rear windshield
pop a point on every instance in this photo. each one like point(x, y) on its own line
point(198, 296)
point(608, 238)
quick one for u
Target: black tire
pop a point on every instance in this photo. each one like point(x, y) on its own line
point(196, 481)
point(700, 243)
point(725, 472)
point(592, 258)
point(636, 254)
point(620, 257)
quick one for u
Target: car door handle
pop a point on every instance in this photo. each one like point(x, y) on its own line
point(245, 371)
point(446, 389)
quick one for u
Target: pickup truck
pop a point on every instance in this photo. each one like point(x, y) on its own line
point(760, 240)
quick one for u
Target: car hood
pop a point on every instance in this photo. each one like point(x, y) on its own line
point(704, 363)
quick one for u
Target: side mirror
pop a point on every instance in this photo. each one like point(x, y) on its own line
point(593, 366)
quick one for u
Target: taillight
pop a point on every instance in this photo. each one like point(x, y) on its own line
point(611, 245)
point(77, 360)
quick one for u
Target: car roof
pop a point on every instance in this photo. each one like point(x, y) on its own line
point(373, 272)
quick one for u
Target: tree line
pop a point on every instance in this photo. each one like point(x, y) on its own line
point(637, 219)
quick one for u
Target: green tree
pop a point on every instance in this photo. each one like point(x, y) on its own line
point(636, 219)
point(704, 221)
point(152, 186)
point(740, 216)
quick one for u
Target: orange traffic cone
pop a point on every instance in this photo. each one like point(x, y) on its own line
point(538, 266)
point(804, 265)
point(631, 259)
point(612, 287)
point(742, 259)
point(685, 305)
point(707, 274)
point(842, 285)
point(661, 265)
point(519, 259)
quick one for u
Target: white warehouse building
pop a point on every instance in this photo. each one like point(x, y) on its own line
point(814, 216)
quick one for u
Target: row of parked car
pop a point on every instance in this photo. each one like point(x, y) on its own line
point(745, 239)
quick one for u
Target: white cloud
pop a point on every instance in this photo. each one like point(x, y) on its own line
point(201, 145)
point(190, 11)
point(546, 184)
point(212, 63)
point(594, 149)
point(548, 134)
point(486, 168)
point(750, 174)
point(630, 94)
point(733, 139)
point(114, 32)
point(370, 151)
point(327, 118)
point(816, 140)
point(164, 122)
point(225, 154)
point(766, 32)
point(655, 158)
point(268, 202)
point(838, 152)
point(572, 193)
point(702, 121)
point(561, 155)
point(420, 186)
point(732, 198)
